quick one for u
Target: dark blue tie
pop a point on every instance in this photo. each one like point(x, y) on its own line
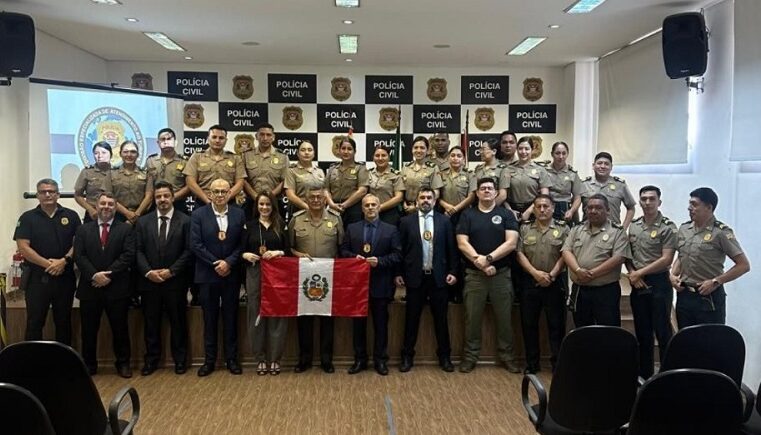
point(369, 232)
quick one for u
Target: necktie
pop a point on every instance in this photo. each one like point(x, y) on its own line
point(428, 244)
point(103, 235)
point(369, 233)
point(162, 231)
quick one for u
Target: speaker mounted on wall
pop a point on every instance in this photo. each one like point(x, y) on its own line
point(17, 46)
point(685, 45)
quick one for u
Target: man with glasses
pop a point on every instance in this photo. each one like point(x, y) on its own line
point(168, 166)
point(486, 235)
point(44, 236)
point(217, 238)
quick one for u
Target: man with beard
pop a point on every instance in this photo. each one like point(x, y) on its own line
point(265, 165)
point(214, 163)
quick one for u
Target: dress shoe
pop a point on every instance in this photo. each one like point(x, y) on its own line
point(180, 368)
point(446, 365)
point(381, 368)
point(357, 367)
point(234, 367)
point(124, 371)
point(511, 367)
point(467, 366)
point(302, 367)
point(406, 364)
point(148, 369)
point(328, 367)
point(205, 370)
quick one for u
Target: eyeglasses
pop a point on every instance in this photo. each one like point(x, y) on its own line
point(219, 192)
point(47, 192)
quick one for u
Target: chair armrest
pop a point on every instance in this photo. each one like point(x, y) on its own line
point(749, 399)
point(536, 419)
point(113, 410)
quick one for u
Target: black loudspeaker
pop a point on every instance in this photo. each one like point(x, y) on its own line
point(17, 47)
point(685, 45)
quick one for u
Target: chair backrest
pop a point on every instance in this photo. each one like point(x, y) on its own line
point(687, 401)
point(595, 380)
point(710, 347)
point(21, 412)
point(58, 377)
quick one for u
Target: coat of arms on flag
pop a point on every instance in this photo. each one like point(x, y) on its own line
point(319, 287)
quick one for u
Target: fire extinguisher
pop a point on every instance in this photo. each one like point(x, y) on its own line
point(15, 271)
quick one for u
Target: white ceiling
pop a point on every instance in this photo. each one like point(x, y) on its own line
point(392, 32)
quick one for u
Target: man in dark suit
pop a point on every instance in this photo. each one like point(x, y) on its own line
point(378, 243)
point(429, 263)
point(216, 238)
point(163, 257)
point(104, 250)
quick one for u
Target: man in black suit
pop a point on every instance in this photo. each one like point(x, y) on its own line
point(216, 238)
point(104, 250)
point(163, 257)
point(378, 243)
point(429, 263)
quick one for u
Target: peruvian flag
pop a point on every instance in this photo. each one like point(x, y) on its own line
point(318, 287)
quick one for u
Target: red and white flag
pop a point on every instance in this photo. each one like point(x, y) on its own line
point(318, 287)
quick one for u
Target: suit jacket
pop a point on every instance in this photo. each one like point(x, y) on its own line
point(205, 243)
point(445, 253)
point(385, 245)
point(117, 256)
point(176, 255)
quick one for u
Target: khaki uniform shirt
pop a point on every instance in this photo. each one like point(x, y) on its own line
point(265, 171)
point(169, 171)
point(300, 180)
point(511, 160)
point(130, 186)
point(384, 185)
point(542, 247)
point(442, 163)
point(207, 168)
point(427, 176)
point(319, 240)
point(615, 190)
point(498, 172)
point(92, 181)
point(648, 241)
point(592, 248)
point(564, 184)
point(702, 251)
point(526, 182)
point(342, 182)
point(456, 185)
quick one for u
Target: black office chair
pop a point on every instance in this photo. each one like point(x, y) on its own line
point(753, 425)
point(21, 413)
point(687, 402)
point(711, 347)
point(58, 377)
point(594, 384)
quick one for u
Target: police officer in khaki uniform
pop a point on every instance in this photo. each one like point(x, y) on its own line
point(214, 163)
point(565, 184)
point(302, 176)
point(698, 275)
point(527, 180)
point(440, 157)
point(94, 180)
point(417, 174)
point(167, 166)
point(346, 183)
point(315, 233)
point(652, 237)
point(546, 284)
point(508, 143)
point(594, 253)
point(614, 188)
point(132, 186)
point(266, 167)
point(491, 167)
point(456, 195)
point(386, 183)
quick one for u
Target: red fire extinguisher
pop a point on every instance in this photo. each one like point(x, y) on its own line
point(15, 271)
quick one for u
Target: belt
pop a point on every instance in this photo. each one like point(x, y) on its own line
point(427, 272)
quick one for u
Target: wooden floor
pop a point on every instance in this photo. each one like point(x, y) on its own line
point(423, 401)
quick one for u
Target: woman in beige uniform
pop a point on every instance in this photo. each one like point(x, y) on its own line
point(492, 167)
point(527, 179)
point(566, 185)
point(419, 173)
point(93, 180)
point(132, 187)
point(386, 184)
point(456, 195)
point(346, 183)
point(302, 176)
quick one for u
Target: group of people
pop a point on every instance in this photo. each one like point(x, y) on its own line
point(508, 231)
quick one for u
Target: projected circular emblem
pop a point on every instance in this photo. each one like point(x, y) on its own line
point(113, 126)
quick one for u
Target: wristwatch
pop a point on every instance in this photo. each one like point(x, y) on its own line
point(489, 258)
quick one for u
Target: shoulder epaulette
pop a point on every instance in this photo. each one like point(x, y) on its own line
point(394, 171)
point(408, 164)
point(299, 213)
point(334, 165)
point(560, 222)
point(480, 166)
point(570, 168)
point(665, 220)
point(153, 155)
point(619, 179)
point(685, 223)
point(543, 162)
point(230, 153)
point(363, 163)
point(615, 225)
point(431, 164)
point(330, 210)
point(501, 165)
point(639, 219)
point(589, 178)
point(90, 167)
point(722, 226)
point(466, 170)
point(293, 165)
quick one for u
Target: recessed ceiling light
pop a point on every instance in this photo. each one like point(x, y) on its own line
point(583, 6)
point(347, 3)
point(554, 26)
point(107, 2)
point(526, 45)
point(132, 20)
point(164, 41)
point(188, 58)
point(348, 22)
point(250, 43)
point(348, 44)
point(441, 46)
point(349, 60)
